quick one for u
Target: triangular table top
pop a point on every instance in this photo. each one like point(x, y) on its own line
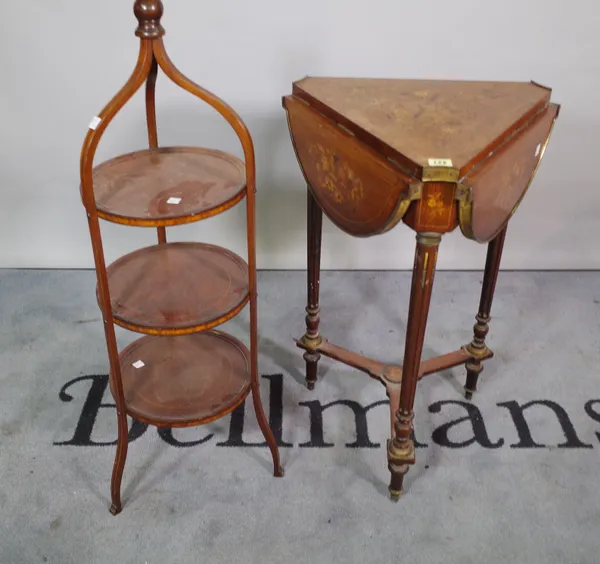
point(417, 120)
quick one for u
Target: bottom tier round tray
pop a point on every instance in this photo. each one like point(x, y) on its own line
point(184, 380)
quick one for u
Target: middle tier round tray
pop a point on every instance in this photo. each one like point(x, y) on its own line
point(168, 186)
point(177, 288)
point(185, 380)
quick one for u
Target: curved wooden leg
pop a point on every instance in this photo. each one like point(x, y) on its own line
point(119, 465)
point(263, 423)
point(115, 368)
point(477, 347)
point(314, 230)
point(401, 449)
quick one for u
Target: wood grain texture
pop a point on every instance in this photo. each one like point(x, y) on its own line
point(477, 347)
point(415, 120)
point(186, 380)
point(314, 230)
point(88, 151)
point(435, 211)
point(243, 134)
point(149, 14)
point(135, 188)
point(151, 124)
point(401, 450)
point(177, 288)
point(499, 183)
point(439, 153)
point(219, 271)
point(357, 189)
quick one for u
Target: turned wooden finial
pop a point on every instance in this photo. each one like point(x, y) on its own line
point(148, 13)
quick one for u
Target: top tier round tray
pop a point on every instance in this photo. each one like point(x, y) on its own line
point(183, 372)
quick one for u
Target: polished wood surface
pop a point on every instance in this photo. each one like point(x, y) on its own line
point(498, 185)
point(313, 273)
point(207, 187)
point(389, 373)
point(436, 155)
point(153, 127)
point(422, 119)
point(149, 13)
point(186, 380)
point(401, 449)
point(477, 348)
point(136, 188)
point(433, 153)
point(358, 189)
point(435, 211)
point(177, 288)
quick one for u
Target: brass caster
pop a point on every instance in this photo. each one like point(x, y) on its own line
point(310, 385)
point(468, 394)
point(395, 495)
point(115, 510)
point(279, 473)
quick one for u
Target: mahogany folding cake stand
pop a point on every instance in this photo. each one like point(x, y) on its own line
point(183, 372)
point(434, 154)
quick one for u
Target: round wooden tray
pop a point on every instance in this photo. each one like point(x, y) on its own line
point(184, 381)
point(177, 288)
point(168, 186)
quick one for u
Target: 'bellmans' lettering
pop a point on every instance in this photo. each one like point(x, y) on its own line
point(236, 424)
point(526, 440)
point(480, 436)
point(357, 435)
point(89, 412)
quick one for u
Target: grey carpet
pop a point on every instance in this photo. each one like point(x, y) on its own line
point(523, 490)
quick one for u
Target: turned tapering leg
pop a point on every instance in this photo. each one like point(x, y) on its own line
point(312, 337)
point(477, 347)
point(401, 449)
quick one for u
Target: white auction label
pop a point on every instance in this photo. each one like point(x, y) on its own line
point(95, 122)
point(440, 162)
point(173, 200)
point(138, 364)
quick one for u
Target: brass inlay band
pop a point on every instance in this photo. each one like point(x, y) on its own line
point(405, 455)
point(429, 239)
point(440, 174)
point(477, 353)
point(424, 276)
point(464, 195)
point(414, 192)
point(310, 343)
point(345, 129)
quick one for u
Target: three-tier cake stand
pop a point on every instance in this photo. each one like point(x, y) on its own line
point(182, 372)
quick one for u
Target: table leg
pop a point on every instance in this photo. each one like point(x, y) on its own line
point(314, 229)
point(477, 347)
point(119, 465)
point(401, 449)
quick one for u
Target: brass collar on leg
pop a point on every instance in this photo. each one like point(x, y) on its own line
point(429, 239)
